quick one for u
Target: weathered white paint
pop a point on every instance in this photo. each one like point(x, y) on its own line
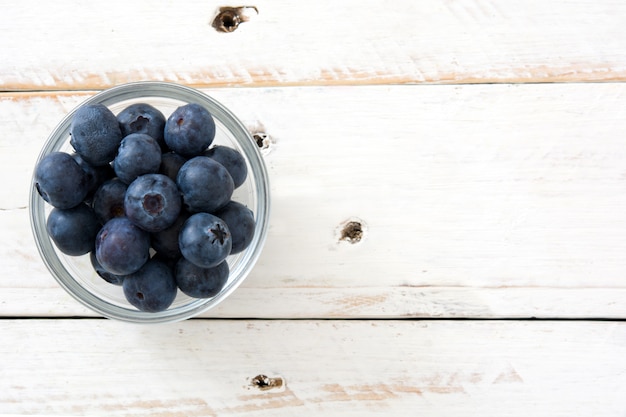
point(351, 368)
point(76, 46)
point(478, 201)
point(357, 303)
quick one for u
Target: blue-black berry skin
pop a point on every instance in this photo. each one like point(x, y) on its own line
point(170, 262)
point(73, 230)
point(60, 181)
point(152, 202)
point(240, 222)
point(165, 242)
point(171, 162)
point(198, 282)
point(95, 134)
point(189, 130)
point(152, 288)
point(103, 273)
point(205, 240)
point(138, 154)
point(108, 200)
point(232, 160)
point(121, 247)
point(143, 118)
point(205, 184)
point(95, 176)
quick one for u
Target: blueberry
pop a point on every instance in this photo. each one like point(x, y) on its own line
point(240, 222)
point(170, 262)
point(198, 282)
point(103, 273)
point(205, 240)
point(205, 184)
point(165, 242)
point(121, 247)
point(143, 118)
point(170, 164)
point(189, 130)
point(232, 160)
point(138, 154)
point(73, 230)
point(152, 202)
point(60, 181)
point(152, 288)
point(108, 200)
point(95, 176)
point(96, 134)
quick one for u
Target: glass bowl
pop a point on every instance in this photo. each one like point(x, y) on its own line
point(77, 276)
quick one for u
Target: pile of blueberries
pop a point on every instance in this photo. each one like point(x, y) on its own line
point(149, 199)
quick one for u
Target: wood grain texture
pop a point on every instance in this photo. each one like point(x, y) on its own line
point(477, 201)
point(353, 368)
point(76, 46)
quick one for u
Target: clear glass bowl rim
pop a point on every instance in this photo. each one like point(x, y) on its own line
point(155, 89)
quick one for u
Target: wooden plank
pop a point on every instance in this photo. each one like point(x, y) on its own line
point(353, 368)
point(476, 201)
point(23, 299)
point(77, 46)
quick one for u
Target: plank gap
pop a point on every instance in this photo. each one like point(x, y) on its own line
point(356, 319)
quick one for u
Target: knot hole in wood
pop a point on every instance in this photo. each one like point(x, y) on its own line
point(264, 382)
point(229, 18)
point(352, 231)
point(262, 140)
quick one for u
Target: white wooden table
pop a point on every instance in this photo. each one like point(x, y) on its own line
point(480, 145)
